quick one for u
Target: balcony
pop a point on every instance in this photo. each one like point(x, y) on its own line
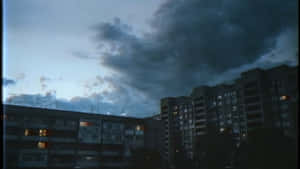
point(252, 99)
point(11, 123)
point(110, 153)
point(201, 126)
point(33, 164)
point(252, 84)
point(34, 138)
point(254, 107)
point(254, 124)
point(200, 114)
point(199, 105)
point(62, 164)
point(35, 125)
point(64, 128)
point(82, 152)
point(62, 152)
point(200, 133)
point(84, 164)
point(63, 140)
point(11, 137)
point(37, 151)
point(249, 93)
point(256, 115)
point(114, 164)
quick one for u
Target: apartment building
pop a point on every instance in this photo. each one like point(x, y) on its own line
point(44, 138)
point(218, 108)
point(178, 123)
point(270, 98)
point(153, 136)
point(258, 98)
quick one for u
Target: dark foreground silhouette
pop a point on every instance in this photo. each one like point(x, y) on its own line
point(263, 149)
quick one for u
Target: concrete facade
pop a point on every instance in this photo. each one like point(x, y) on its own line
point(257, 99)
point(43, 138)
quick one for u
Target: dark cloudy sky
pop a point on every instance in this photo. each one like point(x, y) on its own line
point(121, 56)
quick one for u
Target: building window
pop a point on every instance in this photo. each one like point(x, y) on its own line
point(283, 97)
point(43, 132)
point(42, 145)
point(139, 127)
point(27, 132)
point(85, 123)
point(222, 129)
point(89, 157)
point(30, 132)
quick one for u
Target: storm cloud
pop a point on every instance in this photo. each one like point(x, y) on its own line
point(194, 42)
point(189, 43)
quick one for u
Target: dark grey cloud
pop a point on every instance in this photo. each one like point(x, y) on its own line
point(194, 42)
point(8, 82)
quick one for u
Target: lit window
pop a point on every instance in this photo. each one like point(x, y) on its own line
point(175, 113)
point(222, 129)
point(43, 132)
point(177, 151)
point(42, 145)
point(283, 97)
point(139, 127)
point(85, 123)
point(27, 132)
point(89, 158)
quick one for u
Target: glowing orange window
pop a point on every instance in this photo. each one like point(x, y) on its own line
point(43, 132)
point(85, 123)
point(42, 145)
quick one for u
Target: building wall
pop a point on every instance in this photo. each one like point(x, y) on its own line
point(178, 123)
point(259, 98)
point(42, 138)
